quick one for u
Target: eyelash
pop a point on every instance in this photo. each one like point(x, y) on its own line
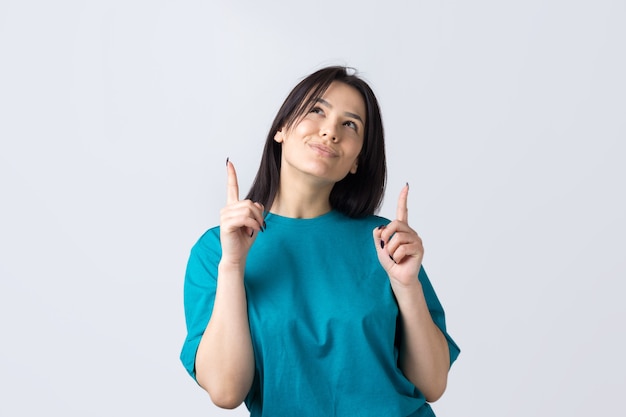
point(348, 123)
point(352, 125)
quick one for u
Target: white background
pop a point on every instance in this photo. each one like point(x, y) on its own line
point(507, 118)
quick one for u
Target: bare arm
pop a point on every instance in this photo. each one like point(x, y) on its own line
point(423, 357)
point(225, 358)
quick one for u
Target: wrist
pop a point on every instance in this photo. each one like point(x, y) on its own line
point(227, 266)
point(407, 294)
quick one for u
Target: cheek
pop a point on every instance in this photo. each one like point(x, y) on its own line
point(306, 126)
point(357, 147)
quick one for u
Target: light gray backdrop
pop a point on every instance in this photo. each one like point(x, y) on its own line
point(506, 117)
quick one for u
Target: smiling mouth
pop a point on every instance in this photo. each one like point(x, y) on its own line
point(324, 150)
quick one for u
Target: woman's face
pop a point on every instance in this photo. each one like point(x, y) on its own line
point(325, 144)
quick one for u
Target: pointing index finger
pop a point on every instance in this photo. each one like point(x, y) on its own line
point(402, 213)
point(232, 188)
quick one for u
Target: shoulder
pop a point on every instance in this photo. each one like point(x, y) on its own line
point(209, 237)
point(208, 243)
point(204, 258)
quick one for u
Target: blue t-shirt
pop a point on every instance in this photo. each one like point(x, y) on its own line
point(323, 319)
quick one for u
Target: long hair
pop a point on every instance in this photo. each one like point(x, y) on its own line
point(357, 195)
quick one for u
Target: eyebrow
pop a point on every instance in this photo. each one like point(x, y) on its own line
point(353, 115)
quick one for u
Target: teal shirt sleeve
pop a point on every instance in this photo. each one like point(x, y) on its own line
point(437, 313)
point(199, 293)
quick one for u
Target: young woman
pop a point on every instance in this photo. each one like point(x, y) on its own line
point(303, 302)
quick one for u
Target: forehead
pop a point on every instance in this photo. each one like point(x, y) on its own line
point(345, 98)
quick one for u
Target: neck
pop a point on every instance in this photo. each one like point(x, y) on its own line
point(301, 201)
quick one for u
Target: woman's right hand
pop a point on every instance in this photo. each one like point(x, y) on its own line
point(225, 357)
point(240, 222)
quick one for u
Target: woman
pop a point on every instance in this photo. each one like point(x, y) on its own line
point(303, 302)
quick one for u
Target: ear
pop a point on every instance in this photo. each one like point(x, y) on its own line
point(279, 136)
point(354, 166)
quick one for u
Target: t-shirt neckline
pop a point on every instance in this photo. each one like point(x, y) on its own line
point(293, 221)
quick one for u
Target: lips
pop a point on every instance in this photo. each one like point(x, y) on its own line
point(324, 150)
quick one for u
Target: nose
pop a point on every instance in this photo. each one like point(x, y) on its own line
point(329, 131)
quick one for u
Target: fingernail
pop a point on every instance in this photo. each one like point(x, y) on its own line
point(391, 257)
point(252, 234)
point(382, 244)
point(264, 225)
point(381, 226)
point(407, 185)
point(227, 161)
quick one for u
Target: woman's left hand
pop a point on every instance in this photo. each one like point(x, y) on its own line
point(399, 247)
point(423, 350)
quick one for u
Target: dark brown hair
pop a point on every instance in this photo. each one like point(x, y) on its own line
point(357, 195)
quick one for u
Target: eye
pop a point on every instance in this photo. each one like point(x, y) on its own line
point(317, 110)
point(351, 125)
